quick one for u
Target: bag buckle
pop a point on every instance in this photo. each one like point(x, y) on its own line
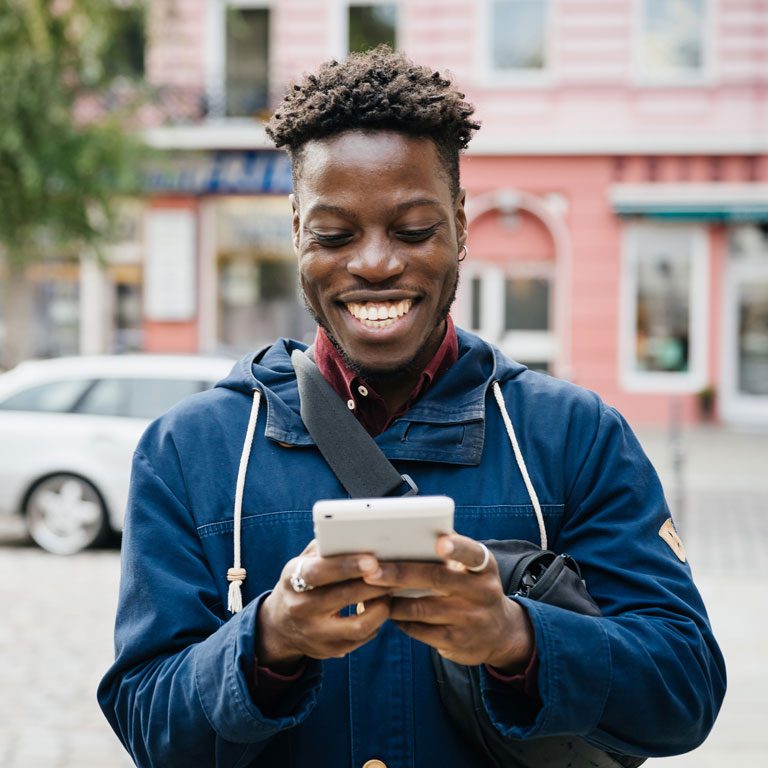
point(413, 489)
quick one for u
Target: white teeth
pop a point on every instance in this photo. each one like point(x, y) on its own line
point(379, 314)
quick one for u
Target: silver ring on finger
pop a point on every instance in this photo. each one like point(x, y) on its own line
point(484, 564)
point(298, 582)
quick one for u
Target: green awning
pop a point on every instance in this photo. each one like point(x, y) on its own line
point(736, 212)
point(709, 201)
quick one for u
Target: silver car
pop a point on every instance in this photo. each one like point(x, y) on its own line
point(68, 429)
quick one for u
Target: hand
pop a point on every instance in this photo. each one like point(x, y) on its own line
point(470, 620)
point(291, 625)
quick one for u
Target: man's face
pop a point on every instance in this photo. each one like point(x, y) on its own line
point(377, 234)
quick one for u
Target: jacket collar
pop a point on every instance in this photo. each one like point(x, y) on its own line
point(446, 425)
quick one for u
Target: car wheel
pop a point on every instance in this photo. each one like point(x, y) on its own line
point(65, 514)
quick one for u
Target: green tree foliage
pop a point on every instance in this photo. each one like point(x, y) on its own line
point(66, 155)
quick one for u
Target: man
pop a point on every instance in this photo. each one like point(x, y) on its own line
point(296, 678)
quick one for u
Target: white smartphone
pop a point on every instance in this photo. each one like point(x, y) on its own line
point(391, 528)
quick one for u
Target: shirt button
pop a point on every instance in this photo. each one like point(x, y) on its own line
point(363, 390)
point(374, 764)
point(351, 404)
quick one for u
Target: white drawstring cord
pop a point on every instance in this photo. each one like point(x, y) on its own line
point(521, 464)
point(236, 575)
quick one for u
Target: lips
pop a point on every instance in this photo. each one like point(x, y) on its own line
point(379, 314)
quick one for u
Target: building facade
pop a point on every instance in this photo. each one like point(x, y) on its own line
point(617, 191)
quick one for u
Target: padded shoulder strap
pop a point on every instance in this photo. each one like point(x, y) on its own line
point(350, 451)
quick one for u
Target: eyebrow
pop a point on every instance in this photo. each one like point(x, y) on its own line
point(405, 205)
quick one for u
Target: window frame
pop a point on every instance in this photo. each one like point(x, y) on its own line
point(695, 378)
point(680, 77)
point(523, 78)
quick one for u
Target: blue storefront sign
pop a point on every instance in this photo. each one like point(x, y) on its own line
point(257, 172)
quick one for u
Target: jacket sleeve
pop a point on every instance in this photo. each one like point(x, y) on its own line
point(647, 678)
point(178, 692)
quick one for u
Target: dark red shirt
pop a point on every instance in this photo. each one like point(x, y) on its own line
point(367, 405)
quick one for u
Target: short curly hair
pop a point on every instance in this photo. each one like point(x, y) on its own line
point(380, 89)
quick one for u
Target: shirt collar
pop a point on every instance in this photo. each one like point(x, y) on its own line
point(367, 405)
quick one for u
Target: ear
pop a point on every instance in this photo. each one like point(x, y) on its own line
point(296, 223)
point(461, 217)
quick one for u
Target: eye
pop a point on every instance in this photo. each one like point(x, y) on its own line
point(330, 241)
point(416, 235)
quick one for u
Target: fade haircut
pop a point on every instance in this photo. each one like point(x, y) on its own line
point(377, 90)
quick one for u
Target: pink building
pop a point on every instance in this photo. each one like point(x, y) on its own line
point(618, 189)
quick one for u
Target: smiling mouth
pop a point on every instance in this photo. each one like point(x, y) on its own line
point(379, 314)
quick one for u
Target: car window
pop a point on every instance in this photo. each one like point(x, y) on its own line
point(151, 397)
point(136, 398)
point(51, 397)
point(104, 398)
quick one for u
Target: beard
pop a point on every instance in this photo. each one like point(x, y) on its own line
point(374, 375)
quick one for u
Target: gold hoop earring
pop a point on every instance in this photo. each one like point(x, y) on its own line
point(466, 253)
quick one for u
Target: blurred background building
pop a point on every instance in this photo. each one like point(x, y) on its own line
point(618, 189)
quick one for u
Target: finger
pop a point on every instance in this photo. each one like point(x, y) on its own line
point(436, 635)
point(429, 610)
point(344, 633)
point(331, 599)
point(436, 576)
point(464, 550)
point(321, 571)
point(446, 579)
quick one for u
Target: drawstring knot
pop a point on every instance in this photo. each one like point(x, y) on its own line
point(236, 575)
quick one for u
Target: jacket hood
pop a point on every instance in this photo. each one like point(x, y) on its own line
point(457, 396)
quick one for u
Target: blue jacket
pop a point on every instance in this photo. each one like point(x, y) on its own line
point(645, 679)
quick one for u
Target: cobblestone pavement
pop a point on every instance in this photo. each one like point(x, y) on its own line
point(57, 614)
point(55, 643)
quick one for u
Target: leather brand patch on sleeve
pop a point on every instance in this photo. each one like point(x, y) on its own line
point(669, 534)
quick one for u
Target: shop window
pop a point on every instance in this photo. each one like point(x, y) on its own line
point(672, 39)
point(57, 319)
point(126, 322)
point(664, 312)
point(517, 34)
point(743, 388)
point(247, 61)
point(752, 347)
point(370, 25)
point(259, 302)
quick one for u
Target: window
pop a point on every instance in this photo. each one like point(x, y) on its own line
point(259, 301)
point(125, 56)
point(52, 397)
point(526, 304)
point(372, 24)
point(664, 312)
point(518, 35)
point(743, 387)
point(513, 309)
point(672, 38)
point(136, 398)
point(247, 61)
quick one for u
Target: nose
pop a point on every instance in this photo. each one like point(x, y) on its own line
point(375, 261)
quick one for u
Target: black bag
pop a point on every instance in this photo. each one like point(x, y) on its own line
point(529, 571)
point(524, 567)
